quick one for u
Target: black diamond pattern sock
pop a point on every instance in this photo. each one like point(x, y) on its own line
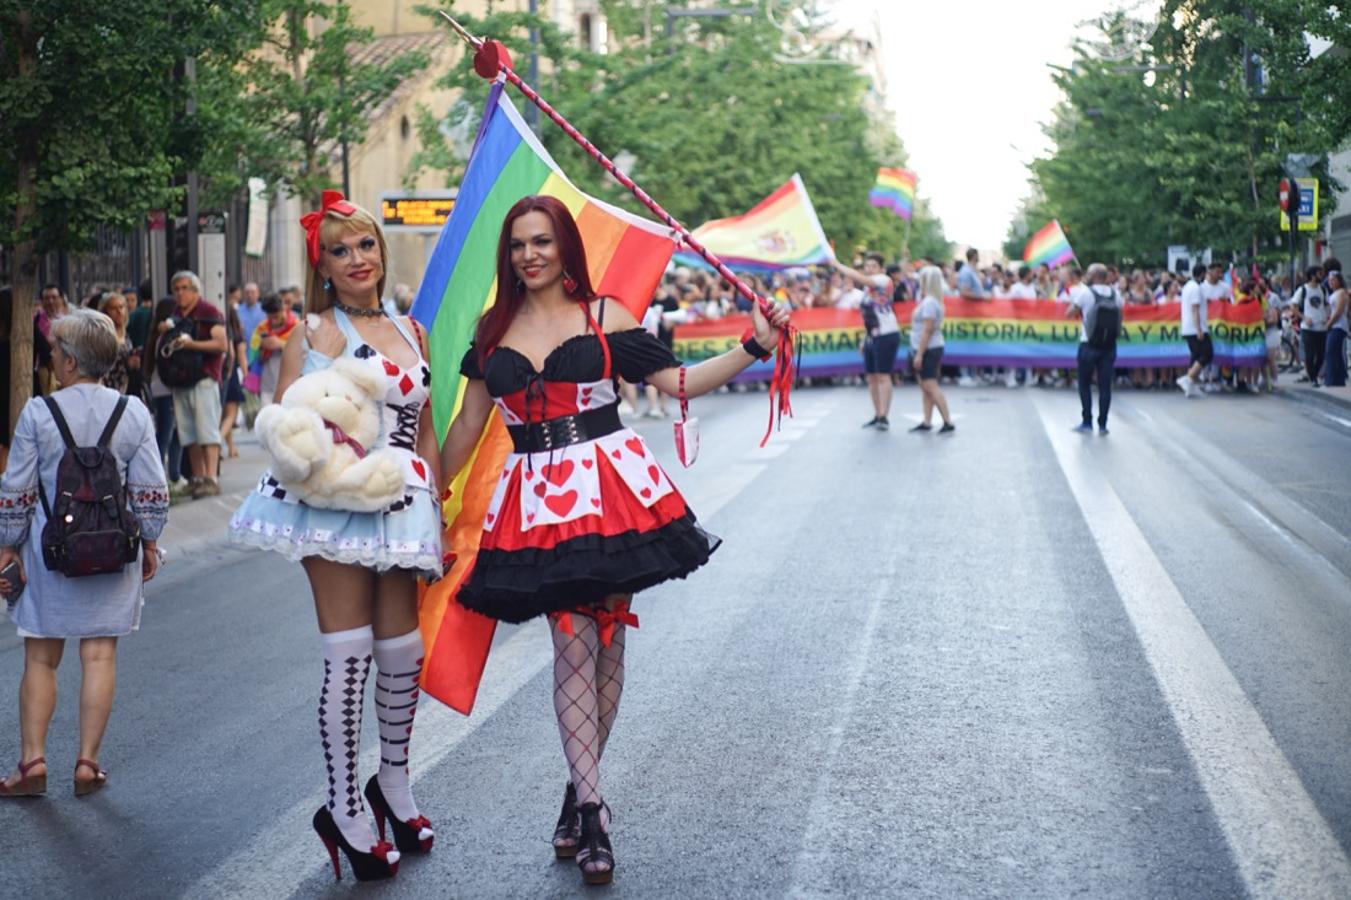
point(398, 664)
point(347, 662)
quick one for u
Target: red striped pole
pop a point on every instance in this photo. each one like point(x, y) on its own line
point(491, 59)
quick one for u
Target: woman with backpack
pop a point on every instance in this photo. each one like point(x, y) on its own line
point(78, 573)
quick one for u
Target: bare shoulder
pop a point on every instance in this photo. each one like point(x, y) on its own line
point(617, 317)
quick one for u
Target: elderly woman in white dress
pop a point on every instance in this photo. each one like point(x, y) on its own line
point(50, 607)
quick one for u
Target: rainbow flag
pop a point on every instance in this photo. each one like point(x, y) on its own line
point(895, 190)
point(779, 232)
point(626, 257)
point(1049, 245)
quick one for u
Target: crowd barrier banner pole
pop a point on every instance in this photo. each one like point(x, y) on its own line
point(1021, 333)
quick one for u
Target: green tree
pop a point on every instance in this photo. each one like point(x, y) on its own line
point(92, 125)
point(714, 118)
point(1184, 143)
point(282, 113)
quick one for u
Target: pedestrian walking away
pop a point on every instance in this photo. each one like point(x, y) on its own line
point(926, 349)
point(1098, 305)
point(57, 583)
point(1196, 332)
point(362, 565)
point(583, 516)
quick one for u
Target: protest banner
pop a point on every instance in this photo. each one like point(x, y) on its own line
point(1031, 334)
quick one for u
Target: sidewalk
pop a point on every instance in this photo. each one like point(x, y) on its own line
point(1338, 398)
point(197, 524)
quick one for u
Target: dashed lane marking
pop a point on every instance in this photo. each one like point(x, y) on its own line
point(1282, 846)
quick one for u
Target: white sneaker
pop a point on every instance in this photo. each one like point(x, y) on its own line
point(966, 381)
point(1011, 381)
point(1185, 383)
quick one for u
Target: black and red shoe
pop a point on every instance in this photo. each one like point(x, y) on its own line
point(412, 836)
point(372, 865)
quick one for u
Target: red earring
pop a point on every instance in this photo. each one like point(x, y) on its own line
point(569, 283)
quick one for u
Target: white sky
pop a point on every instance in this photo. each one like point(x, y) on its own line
point(969, 82)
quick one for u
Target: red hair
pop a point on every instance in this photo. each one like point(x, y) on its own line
point(510, 293)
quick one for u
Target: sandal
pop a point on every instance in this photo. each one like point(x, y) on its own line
point(567, 834)
point(595, 856)
point(83, 788)
point(27, 785)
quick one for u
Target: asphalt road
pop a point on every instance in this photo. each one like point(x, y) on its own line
point(1010, 662)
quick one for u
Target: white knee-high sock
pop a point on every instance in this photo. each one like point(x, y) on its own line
point(398, 663)
point(347, 662)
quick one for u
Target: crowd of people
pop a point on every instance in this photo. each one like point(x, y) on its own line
point(1305, 324)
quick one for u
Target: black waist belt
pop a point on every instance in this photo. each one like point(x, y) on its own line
point(539, 437)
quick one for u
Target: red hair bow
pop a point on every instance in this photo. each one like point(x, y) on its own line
point(332, 201)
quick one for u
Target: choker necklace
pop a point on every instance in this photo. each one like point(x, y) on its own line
point(360, 312)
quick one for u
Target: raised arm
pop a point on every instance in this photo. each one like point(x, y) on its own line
point(712, 374)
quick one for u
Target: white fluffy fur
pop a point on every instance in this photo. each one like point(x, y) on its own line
point(304, 457)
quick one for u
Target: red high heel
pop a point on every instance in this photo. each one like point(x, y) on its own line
point(370, 866)
point(27, 786)
point(413, 836)
point(83, 788)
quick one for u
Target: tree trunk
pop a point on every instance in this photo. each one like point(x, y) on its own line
point(25, 256)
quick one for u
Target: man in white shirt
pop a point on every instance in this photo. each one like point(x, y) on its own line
point(1195, 331)
point(1098, 305)
point(1023, 288)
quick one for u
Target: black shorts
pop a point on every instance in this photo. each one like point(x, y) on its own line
point(929, 365)
point(879, 354)
point(233, 392)
point(1201, 349)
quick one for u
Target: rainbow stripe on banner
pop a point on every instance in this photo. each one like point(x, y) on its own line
point(1049, 246)
point(895, 190)
point(995, 333)
point(780, 232)
point(626, 256)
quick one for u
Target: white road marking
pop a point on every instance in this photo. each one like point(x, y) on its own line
point(1345, 423)
point(809, 871)
point(1281, 844)
point(282, 856)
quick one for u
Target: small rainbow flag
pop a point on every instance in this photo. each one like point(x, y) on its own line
point(1049, 245)
point(779, 232)
point(895, 190)
point(626, 255)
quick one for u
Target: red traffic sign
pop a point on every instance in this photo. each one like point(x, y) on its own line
point(1285, 195)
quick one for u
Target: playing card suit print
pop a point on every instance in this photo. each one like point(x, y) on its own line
point(426, 377)
point(391, 370)
point(561, 504)
point(558, 473)
point(405, 384)
point(615, 453)
point(365, 351)
point(654, 473)
point(489, 518)
point(595, 501)
point(420, 469)
point(541, 489)
point(635, 445)
point(588, 463)
point(646, 492)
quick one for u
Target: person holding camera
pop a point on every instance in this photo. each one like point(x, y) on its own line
point(77, 572)
point(191, 362)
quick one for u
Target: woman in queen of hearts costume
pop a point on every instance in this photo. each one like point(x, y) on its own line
point(362, 566)
point(583, 515)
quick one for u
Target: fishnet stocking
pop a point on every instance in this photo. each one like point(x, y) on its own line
point(609, 684)
point(575, 703)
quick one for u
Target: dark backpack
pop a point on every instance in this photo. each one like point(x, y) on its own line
point(90, 530)
point(1102, 323)
point(179, 368)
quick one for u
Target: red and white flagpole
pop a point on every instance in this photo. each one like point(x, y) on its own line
point(492, 59)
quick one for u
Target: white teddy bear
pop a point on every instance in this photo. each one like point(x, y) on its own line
point(319, 439)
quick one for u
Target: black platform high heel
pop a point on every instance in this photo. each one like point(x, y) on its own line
point(594, 848)
point(567, 833)
point(413, 836)
point(370, 866)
